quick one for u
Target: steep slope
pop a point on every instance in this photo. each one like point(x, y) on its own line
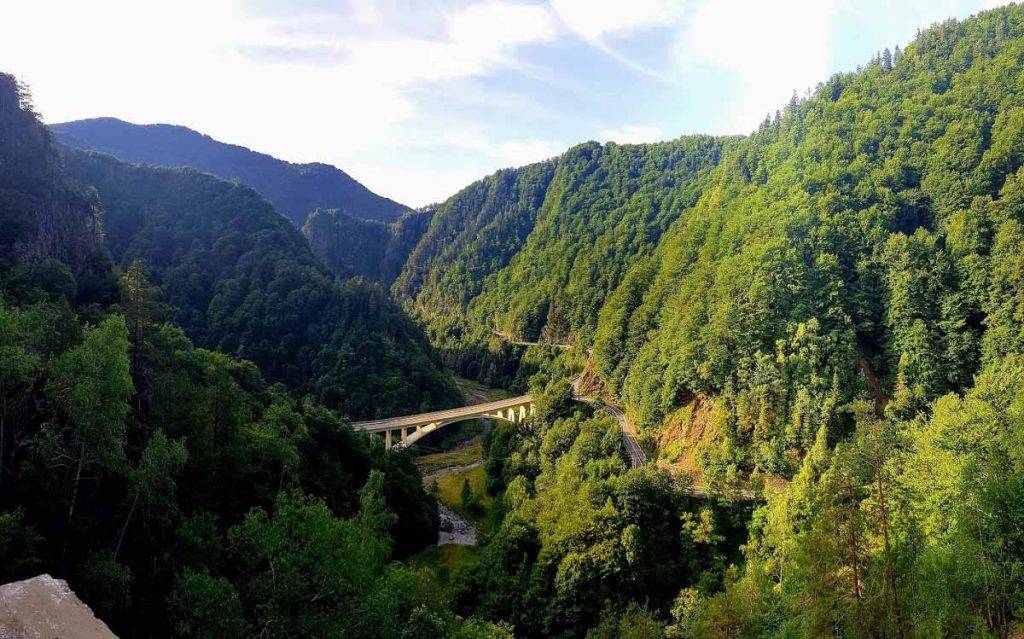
point(850, 296)
point(533, 252)
point(293, 189)
point(243, 280)
point(839, 312)
point(861, 239)
point(856, 246)
point(42, 217)
point(472, 235)
point(351, 247)
point(605, 206)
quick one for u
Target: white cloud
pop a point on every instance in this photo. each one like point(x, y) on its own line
point(772, 48)
point(594, 20)
point(480, 38)
point(520, 152)
point(598, 21)
point(416, 186)
point(423, 184)
point(504, 153)
point(632, 134)
point(491, 26)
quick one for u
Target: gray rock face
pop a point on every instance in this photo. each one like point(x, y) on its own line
point(45, 608)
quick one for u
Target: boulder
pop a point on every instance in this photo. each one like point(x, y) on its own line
point(46, 608)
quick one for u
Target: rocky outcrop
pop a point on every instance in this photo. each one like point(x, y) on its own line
point(45, 608)
point(42, 215)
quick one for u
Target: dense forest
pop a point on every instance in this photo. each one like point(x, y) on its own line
point(818, 329)
point(239, 278)
point(293, 189)
point(374, 250)
point(830, 308)
point(582, 540)
point(178, 491)
point(534, 252)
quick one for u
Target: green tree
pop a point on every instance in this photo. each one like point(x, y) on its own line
point(374, 514)
point(18, 369)
point(207, 607)
point(302, 571)
point(152, 483)
point(91, 384)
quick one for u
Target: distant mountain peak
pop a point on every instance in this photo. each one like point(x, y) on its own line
point(294, 189)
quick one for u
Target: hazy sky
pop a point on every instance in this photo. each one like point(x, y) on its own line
point(416, 99)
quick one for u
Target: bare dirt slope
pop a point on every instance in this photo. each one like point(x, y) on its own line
point(45, 608)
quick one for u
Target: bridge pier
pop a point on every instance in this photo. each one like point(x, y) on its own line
point(387, 440)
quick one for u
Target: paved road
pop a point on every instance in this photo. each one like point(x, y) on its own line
point(637, 456)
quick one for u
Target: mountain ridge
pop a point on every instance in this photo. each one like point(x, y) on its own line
point(243, 280)
point(295, 189)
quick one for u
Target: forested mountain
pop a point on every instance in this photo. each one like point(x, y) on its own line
point(869, 216)
point(533, 252)
point(351, 247)
point(853, 273)
point(242, 280)
point(832, 309)
point(473, 234)
point(293, 189)
point(178, 492)
point(821, 323)
point(859, 237)
point(605, 206)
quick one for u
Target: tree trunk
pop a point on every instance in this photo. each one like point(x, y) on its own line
point(74, 498)
point(124, 529)
point(854, 554)
point(890, 575)
point(3, 423)
point(78, 478)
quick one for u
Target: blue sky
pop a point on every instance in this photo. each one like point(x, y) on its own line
point(419, 98)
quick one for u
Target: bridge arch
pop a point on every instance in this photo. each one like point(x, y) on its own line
point(412, 428)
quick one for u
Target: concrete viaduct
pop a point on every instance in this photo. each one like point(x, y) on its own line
point(411, 428)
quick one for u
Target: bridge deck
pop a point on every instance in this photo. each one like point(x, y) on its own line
point(463, 412)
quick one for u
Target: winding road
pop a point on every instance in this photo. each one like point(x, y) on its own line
point(637, 456)
point(511, 339)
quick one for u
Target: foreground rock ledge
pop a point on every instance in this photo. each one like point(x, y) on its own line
point(45, 608)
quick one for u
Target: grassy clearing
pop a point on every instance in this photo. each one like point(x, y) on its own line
point(464, 456)
point(449, 491)
point(447, 562)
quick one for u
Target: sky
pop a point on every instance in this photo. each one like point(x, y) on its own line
point(417, 99)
